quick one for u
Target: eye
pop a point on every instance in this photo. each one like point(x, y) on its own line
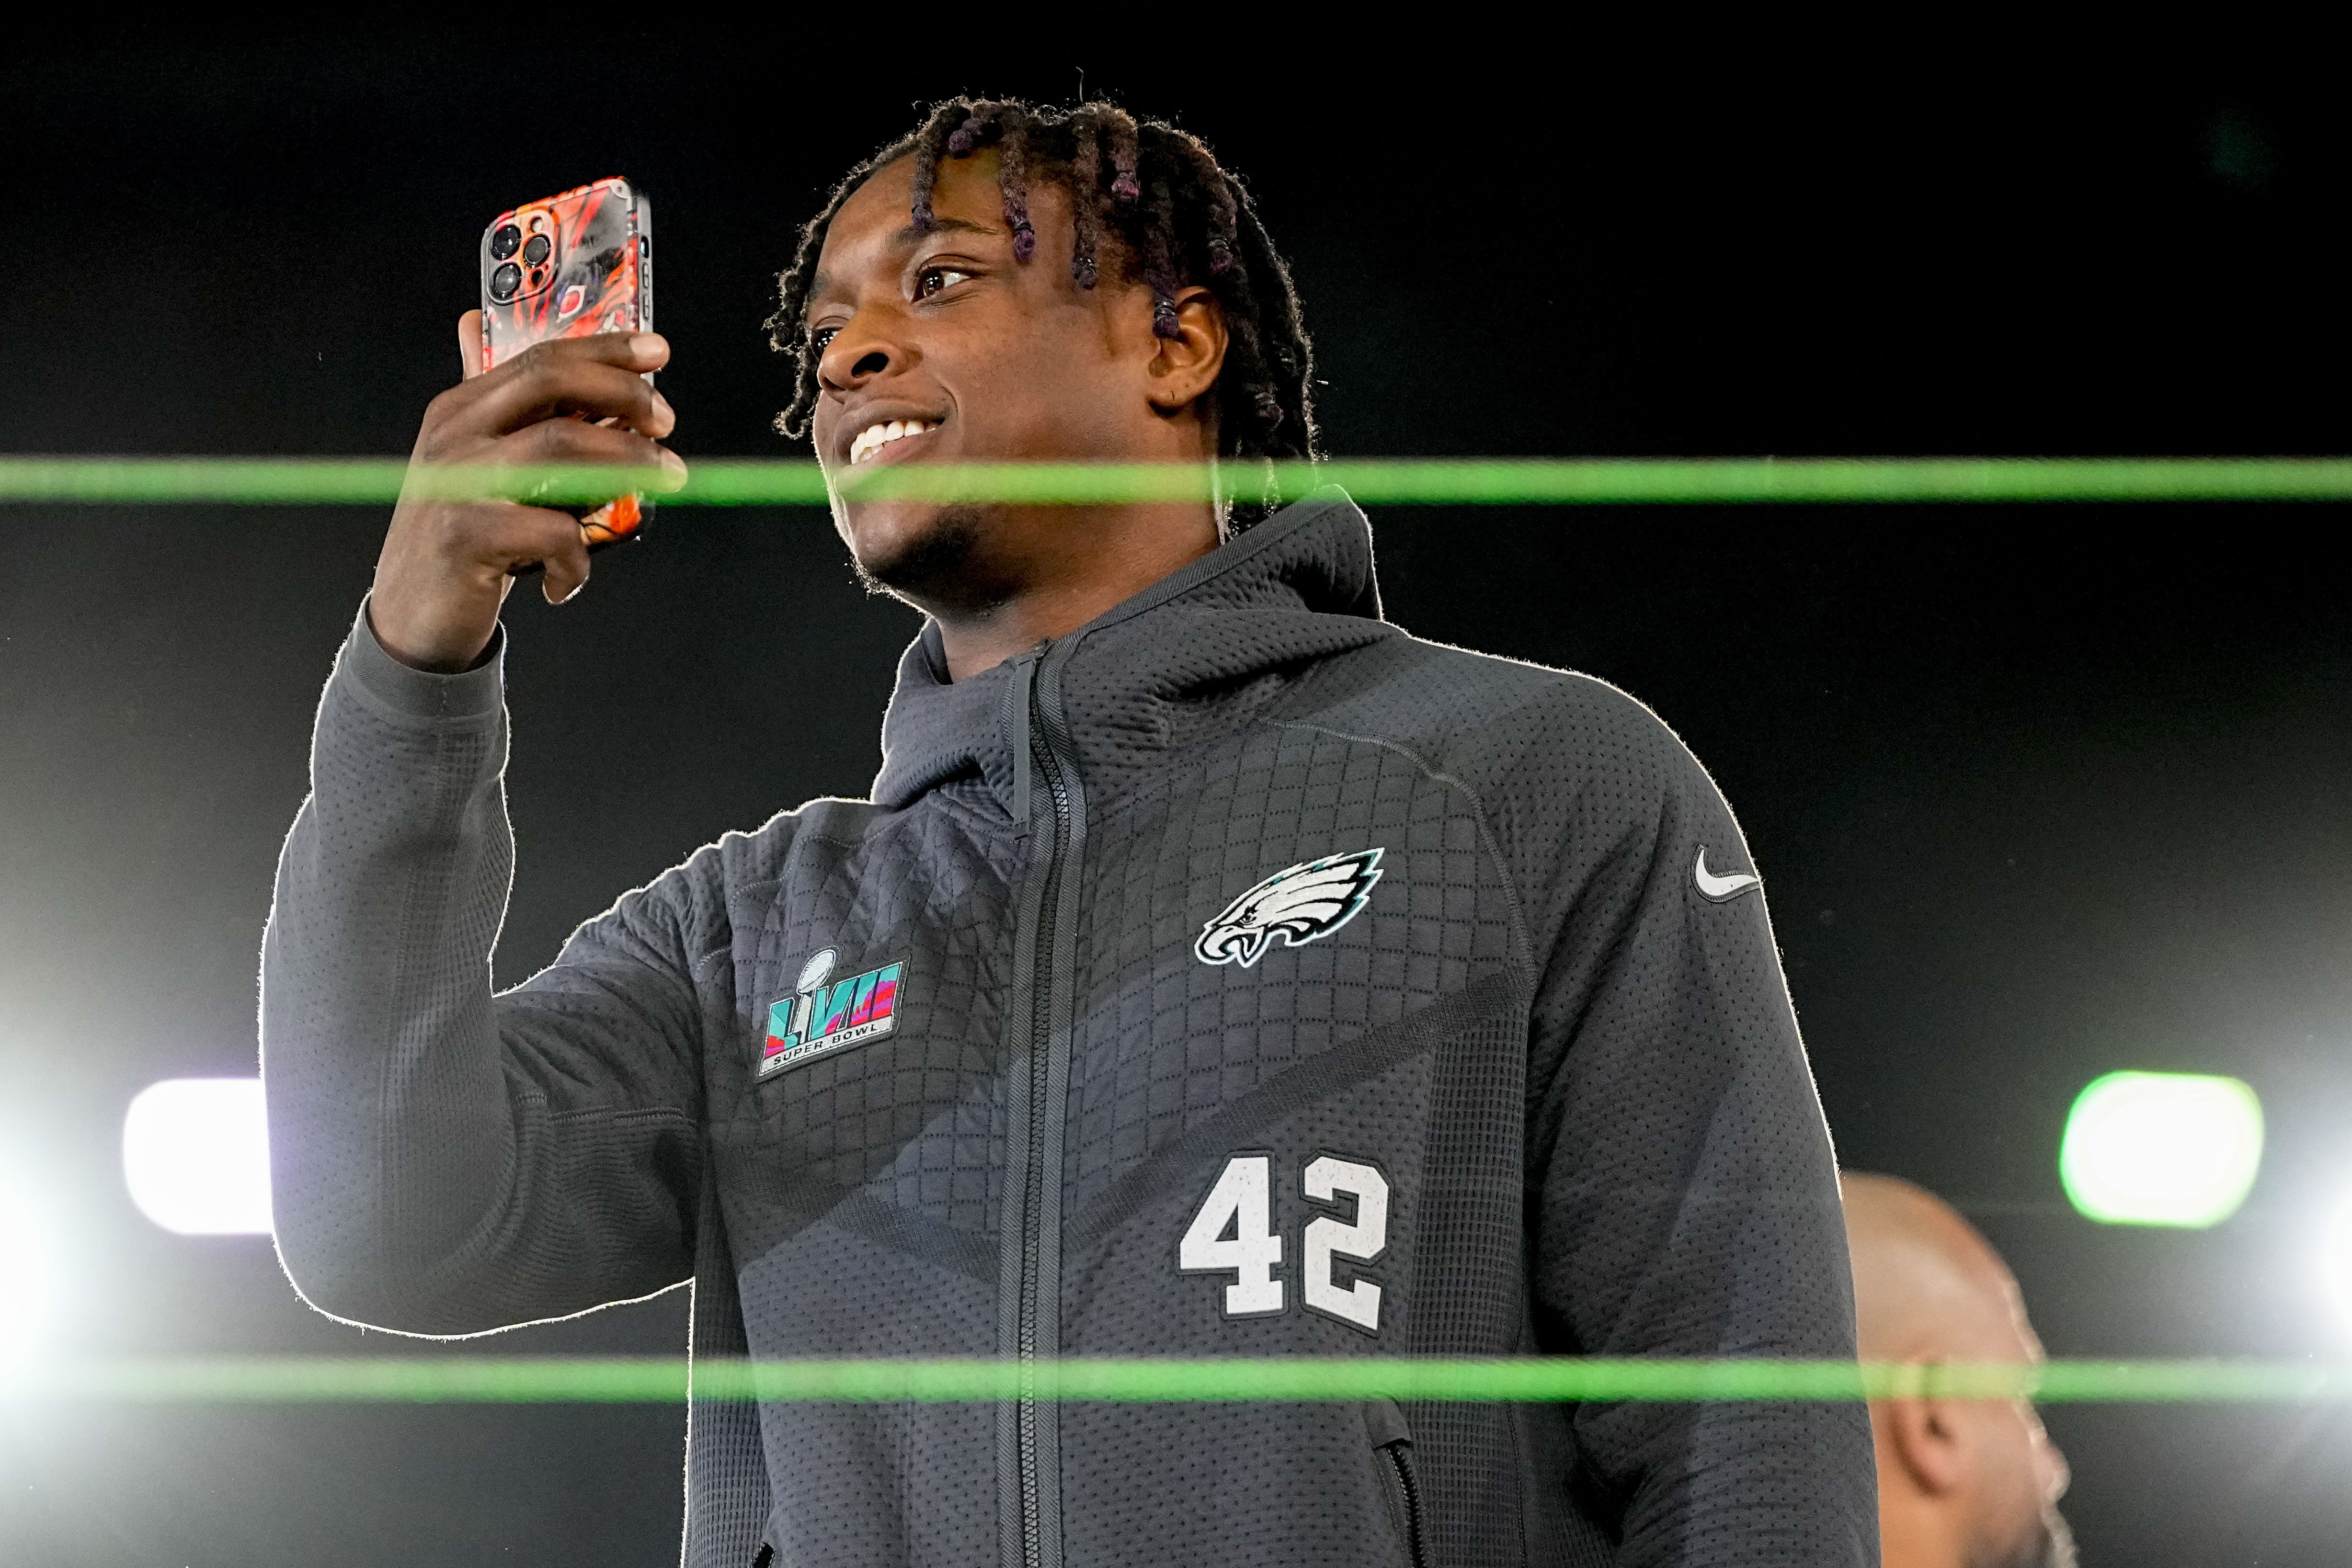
point(933, 278)
point(820, 336)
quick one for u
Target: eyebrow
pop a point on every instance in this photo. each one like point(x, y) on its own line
point(908, 235)
point(911, 234)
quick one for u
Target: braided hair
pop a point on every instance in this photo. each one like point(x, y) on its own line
point(1178, 219)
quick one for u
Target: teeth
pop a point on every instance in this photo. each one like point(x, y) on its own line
point(874, 437)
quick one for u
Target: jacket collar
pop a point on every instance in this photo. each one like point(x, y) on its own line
point(1189, 656)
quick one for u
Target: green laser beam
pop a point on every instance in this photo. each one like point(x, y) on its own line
point(735, 482)
point(447, 1379)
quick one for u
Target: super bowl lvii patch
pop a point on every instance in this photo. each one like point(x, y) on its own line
point(818, 1018)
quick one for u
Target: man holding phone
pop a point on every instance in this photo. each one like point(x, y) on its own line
point(1216, 970)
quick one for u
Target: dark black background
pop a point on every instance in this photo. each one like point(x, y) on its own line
point(2038, 792)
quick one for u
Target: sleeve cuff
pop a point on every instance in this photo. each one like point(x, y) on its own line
point(422, 693)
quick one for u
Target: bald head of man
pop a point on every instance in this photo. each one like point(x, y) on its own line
point(1962, 1483)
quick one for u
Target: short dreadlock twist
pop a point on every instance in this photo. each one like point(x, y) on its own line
point(1179, 218)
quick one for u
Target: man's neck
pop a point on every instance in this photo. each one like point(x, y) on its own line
point(1125, 550)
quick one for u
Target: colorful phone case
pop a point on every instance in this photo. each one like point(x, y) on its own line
point(569, 267)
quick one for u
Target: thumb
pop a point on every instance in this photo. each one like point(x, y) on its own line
point(566, 567)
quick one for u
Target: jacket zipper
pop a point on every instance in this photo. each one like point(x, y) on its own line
point(1400, 1462)
point(1036, 1277)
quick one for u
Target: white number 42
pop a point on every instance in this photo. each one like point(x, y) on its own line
point(1233, 1232)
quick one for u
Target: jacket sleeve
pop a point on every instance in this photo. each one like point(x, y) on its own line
point(443, 1160)
point(1685, 1199)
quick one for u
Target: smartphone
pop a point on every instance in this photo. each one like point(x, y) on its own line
point(569, 267)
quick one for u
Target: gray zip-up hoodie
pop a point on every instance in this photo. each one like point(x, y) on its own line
point(1233, 975)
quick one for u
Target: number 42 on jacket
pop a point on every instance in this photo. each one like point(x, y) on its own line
point(1233, 1232)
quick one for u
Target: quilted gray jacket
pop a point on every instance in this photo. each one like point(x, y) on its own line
point(1233, 975)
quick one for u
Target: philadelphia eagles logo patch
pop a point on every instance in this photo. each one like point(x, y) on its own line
point(1300, 905)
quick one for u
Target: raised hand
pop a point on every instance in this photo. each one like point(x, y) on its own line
point(447, 565)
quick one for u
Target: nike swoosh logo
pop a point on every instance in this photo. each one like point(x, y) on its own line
point(1720, 888)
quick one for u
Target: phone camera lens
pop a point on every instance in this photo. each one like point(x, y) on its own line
point(536, 251)
point(503, 242)
point(506, 282)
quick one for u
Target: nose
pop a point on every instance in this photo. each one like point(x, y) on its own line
point(863, 351)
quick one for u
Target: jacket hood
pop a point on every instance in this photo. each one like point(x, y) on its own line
point(1182, 660)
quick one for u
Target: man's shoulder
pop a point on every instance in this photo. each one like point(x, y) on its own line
point(740, 868)
point(1500, 719)
point(1570, 774)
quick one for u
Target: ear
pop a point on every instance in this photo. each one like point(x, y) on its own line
point(1188, 364)
point(1927, 1440)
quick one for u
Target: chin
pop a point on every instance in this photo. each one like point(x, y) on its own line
point(927, 555)
point(2051, 1545)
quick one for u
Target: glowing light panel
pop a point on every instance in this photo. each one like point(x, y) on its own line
point(195, 1154)
point(2161, 1149)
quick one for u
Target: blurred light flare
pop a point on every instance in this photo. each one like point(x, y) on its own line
point(1518, 481)
point(2336, 1258)
point(26, 1275)
point(480, 1379)
point(195, 1155)
point(2161, 1149)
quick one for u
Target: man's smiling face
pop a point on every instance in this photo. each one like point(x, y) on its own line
point(937, 345)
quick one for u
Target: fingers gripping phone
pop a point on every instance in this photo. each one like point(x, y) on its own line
point(570, 266)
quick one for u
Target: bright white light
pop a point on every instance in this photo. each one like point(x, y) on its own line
point(2162, 1148)
point(25, 1284)
point(196, 1153)
point(2335, 1259)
